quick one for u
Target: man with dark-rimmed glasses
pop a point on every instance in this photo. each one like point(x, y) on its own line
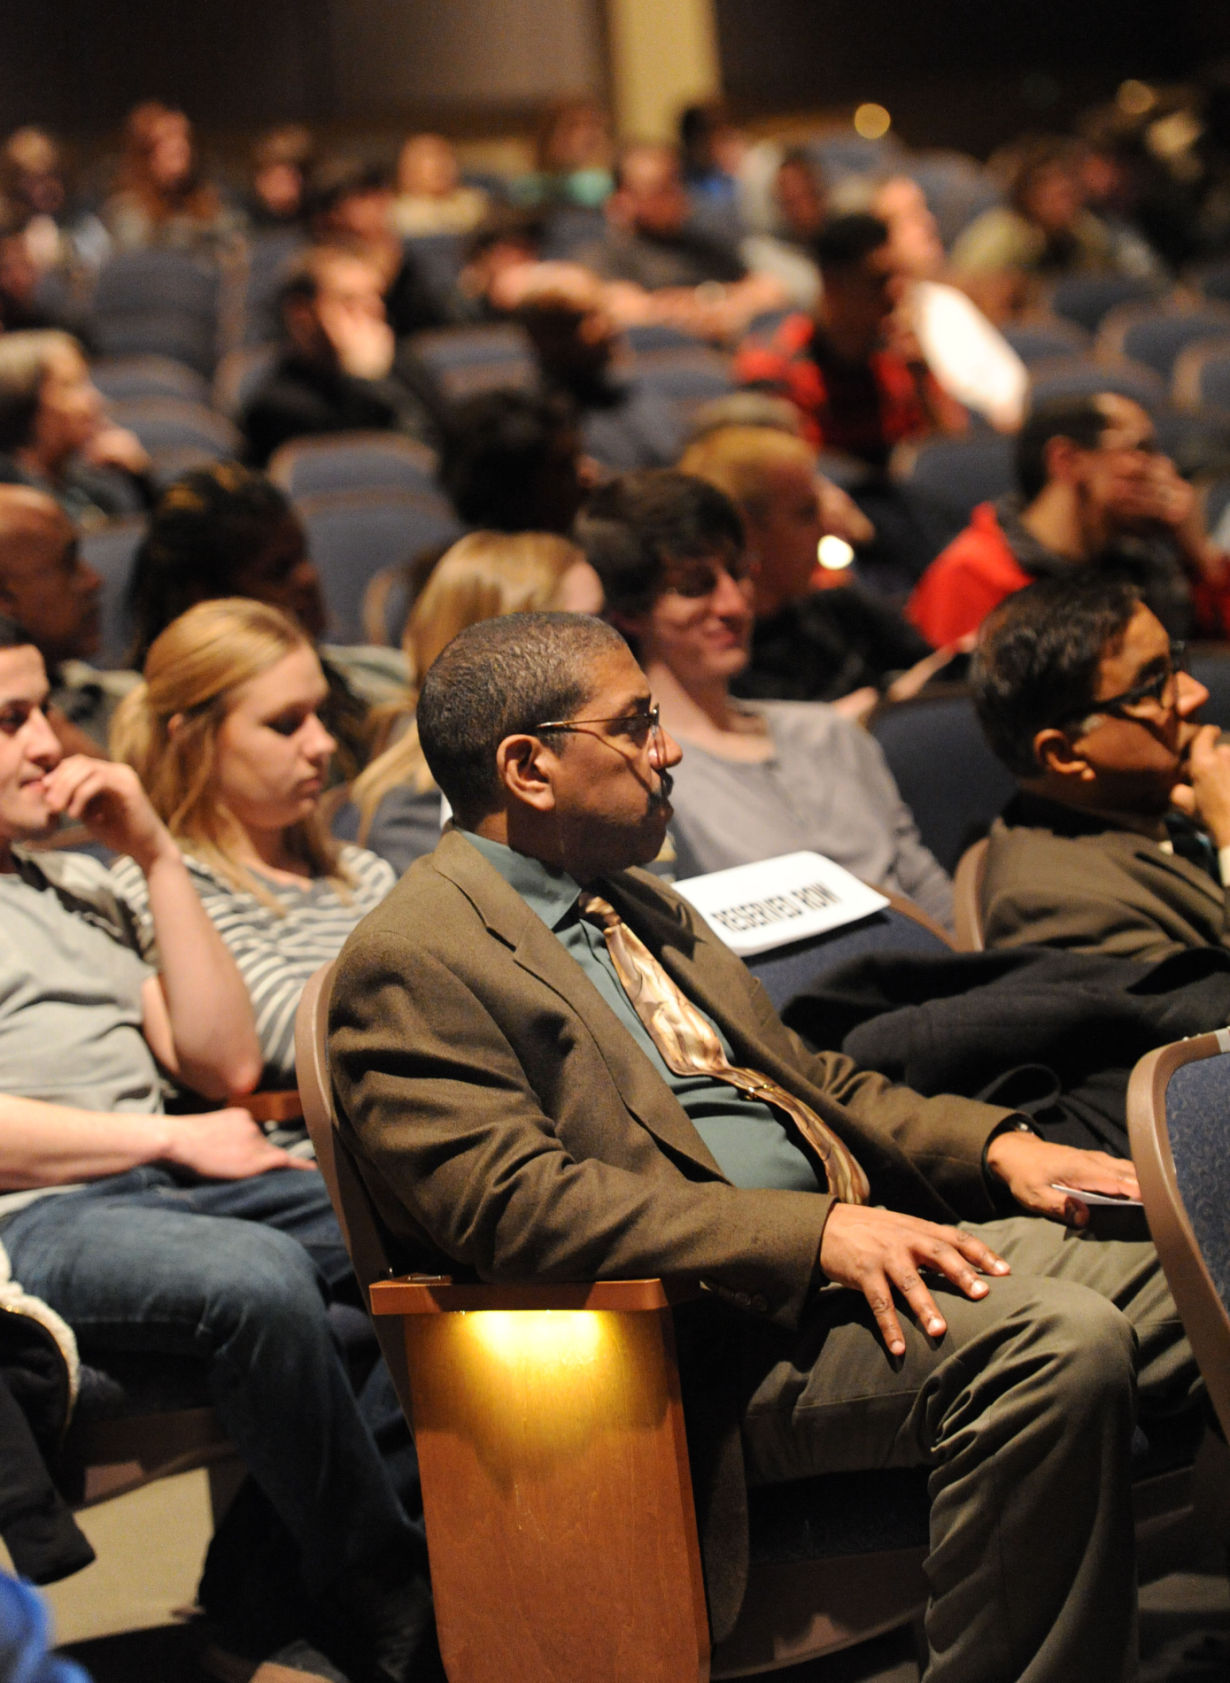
point(1118, 840)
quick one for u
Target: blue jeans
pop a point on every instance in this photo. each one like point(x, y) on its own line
point(239, 1274)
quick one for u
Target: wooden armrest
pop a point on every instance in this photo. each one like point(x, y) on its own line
point(274, 1104)
point(435, 1294)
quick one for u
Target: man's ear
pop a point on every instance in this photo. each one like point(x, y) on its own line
point(1060, 456)
point(523, 767)
point(1058, 756)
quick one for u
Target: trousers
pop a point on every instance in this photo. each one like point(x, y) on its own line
point(1024, 1410)
point(238, 1274)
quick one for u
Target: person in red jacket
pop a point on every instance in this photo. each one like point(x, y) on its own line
point(1094, 489)
point(857, 389)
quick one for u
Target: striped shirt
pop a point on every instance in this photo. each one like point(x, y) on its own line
point(276, 955)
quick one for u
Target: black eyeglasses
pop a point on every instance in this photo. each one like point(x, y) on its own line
point(1161, 689)
point(639, 727)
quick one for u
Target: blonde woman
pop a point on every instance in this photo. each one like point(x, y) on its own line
point(225, 734)
point(395, 807)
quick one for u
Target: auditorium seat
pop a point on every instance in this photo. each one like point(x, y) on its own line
point(1155, 336)
point(353, 534)
point(957, 473)
point(353, 461)
point(111, 550)
point(120, 378)
point(160, 302)
point(947, 775)
point(1037, 339)
point(1084, 377)
point(1086, 299)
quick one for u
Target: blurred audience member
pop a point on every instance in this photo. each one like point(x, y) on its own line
point(352, 204)
point(1045, 230)
point(226, 735)
point(858, 393)
point(711, 148)
point(757, 779)
point(24, 301)
point(55, 433)
point(855, 391)
point(340, 368)
point(511, 462)
point(395, 807)
point(53, 595)
point(224, 530)
point(502, 256)
point(431, 196)
point(282, 163)
point(35, 199)
point(625, 423)
point(808, 644)
point(572, 156)
point(969, 357)
point(1093, 489)
point(161, 197)
point(1150, 206)
point(800, 206)
point(668, 269)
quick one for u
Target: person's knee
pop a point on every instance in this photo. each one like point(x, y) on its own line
point(265, 1280)
point(1088, 1341)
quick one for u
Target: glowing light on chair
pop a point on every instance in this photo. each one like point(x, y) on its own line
point(541, 1338)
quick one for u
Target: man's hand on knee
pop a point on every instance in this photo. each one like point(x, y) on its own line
point(876, 1251)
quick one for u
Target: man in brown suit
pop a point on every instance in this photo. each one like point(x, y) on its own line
point(512, 1114)
point(1119, 838)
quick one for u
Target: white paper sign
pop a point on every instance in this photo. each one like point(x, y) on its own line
point(775, 901)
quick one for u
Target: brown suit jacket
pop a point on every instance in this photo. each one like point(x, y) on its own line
point(1096, 889)
point(505, 1120)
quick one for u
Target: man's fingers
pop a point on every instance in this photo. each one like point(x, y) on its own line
point(920, 1300)
point(880, 1297)
point(980, 1254)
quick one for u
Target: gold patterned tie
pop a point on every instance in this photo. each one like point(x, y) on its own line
point(689, 1046)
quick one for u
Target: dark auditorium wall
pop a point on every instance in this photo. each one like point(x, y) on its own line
point(963, 72)
point(960, 72)
point(78, 65)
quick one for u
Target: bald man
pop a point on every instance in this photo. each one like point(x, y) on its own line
point(52, 594)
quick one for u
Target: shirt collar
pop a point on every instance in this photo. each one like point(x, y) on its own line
point(550, 893)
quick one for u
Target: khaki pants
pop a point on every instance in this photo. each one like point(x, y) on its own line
point(1024, 1411)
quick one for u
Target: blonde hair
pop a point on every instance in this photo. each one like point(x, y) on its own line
point(167, 730)
point(483, 576)
point(739, 460)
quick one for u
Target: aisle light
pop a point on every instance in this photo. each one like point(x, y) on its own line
point(872, 121)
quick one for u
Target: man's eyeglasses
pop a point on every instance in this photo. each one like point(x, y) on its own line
point(640, 727)
point(1161, 689)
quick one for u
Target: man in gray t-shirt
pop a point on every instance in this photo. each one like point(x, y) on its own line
point(188, 1235)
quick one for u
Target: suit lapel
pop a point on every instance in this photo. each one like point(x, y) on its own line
point(538, 951)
